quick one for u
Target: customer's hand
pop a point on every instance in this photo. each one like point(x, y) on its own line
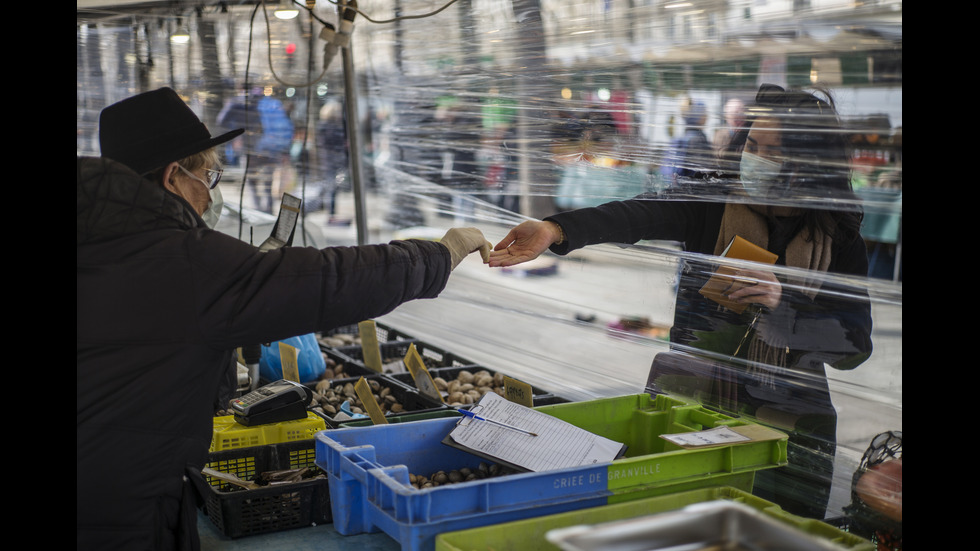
point(756, 287)
point(524, 242)
point(463, 241)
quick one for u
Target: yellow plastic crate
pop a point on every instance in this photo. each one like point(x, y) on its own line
point(229, 434)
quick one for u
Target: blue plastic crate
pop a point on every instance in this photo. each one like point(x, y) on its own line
point(369, 467)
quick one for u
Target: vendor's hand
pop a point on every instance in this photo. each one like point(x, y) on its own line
point(524, 242)
point(463, 241)
point(755, 287)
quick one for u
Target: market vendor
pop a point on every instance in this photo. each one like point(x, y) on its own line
point(163, 301)
point(768, 360)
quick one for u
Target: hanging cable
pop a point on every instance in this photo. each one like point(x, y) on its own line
point(248, 64)
point(268, 30)
point(334, 40)
point(399, 18)
point(304, 155)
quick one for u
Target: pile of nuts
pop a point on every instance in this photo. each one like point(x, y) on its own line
point(468, 387)
point(339, 340)
point(442, 478)
point(329, 396)
point(334, 370)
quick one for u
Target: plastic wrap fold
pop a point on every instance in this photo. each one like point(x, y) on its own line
point(413, 116)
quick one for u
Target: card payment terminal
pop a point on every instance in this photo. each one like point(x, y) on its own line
point(283, 400)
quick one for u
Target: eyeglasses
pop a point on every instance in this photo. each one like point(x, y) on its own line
point(213, 176)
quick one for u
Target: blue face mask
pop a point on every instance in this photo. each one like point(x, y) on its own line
point(759, 175)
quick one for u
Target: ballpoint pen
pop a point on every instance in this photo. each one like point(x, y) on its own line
point(468, 413)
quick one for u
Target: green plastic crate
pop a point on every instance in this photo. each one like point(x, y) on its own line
point(640, 419)
point(529, 534)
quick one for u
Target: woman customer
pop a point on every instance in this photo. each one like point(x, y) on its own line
point(792, 197)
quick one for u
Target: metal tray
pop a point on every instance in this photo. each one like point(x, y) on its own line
point(712, 526)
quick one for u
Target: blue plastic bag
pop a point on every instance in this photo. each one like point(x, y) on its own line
point(309, 359)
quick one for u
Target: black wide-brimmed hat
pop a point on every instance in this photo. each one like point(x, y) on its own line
point(149, 130)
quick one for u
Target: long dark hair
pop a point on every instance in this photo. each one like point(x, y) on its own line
point(816, 156)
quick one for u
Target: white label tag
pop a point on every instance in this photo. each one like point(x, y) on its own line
point(711, 437)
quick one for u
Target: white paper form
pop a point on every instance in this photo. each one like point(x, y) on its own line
point(558, 444)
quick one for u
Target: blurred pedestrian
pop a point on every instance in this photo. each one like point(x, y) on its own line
point(734, 114)
point(332, 153)
point(460, 172)
point(269, 161)
point(691, 153)
point(592, 170)
point(500, 173)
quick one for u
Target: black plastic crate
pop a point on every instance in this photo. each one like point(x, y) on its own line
point(548, 399)
point(350, 367)
point(539, 397)
point(384, 332)
point(239, 512)
point(412, 400)
point(432, 356)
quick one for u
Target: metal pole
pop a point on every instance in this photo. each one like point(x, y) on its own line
point(354, 139)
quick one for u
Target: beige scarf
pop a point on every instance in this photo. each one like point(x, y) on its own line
point(750, 222)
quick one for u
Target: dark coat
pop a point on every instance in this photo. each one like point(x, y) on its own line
point(832, 328)
point(161, 303)
point(829, 328)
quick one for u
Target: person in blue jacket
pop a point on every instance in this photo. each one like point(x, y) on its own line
point(691, 153)
point(163, 301)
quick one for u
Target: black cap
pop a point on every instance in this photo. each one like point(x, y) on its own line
point(149, 130)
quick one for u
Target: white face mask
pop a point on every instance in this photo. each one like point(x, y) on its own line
point(759, 175)
point(215, 201)
point(213, 212)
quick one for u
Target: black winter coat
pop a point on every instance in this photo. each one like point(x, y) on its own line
point(161, 303)
point(832, 328)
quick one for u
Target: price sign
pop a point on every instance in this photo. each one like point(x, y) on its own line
point(363, 391)
point(518, 392)
point(289, 358)
point(370, 349)
point(421, 375)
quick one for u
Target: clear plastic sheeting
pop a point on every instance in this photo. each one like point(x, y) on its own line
point(407, 118)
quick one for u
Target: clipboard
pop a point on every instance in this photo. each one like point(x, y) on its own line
point(724, 280)
point(558, 444)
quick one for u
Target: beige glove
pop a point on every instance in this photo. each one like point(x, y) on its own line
point(463, 241)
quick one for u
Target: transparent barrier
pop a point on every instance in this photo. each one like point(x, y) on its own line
point(402, 119)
